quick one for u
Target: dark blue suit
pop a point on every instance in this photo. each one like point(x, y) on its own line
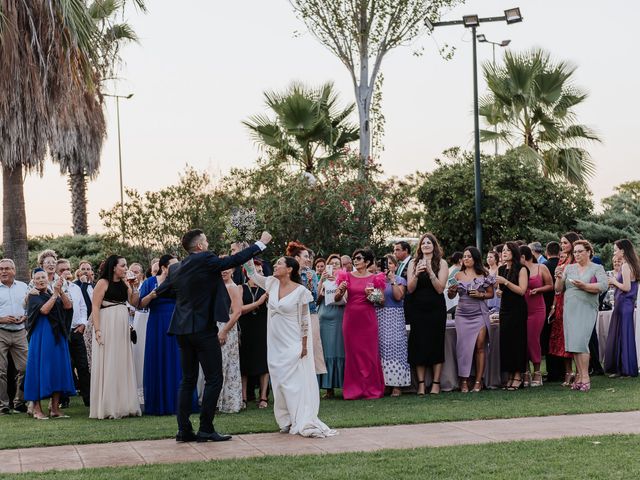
point(201, 300)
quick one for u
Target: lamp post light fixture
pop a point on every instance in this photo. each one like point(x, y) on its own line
point(118, 97)
point(483, 39)
point(510, 16)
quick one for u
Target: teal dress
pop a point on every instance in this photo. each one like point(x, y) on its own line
point(331, 317)
point(580, 307)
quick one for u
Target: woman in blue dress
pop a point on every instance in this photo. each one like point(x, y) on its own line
point(48, 373)
point(621, 357)
point(162, 373)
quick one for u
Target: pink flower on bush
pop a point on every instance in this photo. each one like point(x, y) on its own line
point(346, 205)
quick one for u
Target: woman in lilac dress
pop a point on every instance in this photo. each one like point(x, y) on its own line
point(474, 286)
point(621, 357)
point(392, 330)
point(363, 376)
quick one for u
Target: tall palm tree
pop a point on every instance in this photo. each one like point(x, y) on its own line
point(77, 145)
point(531, 105)
point(45, 46)
point(309, 129)
point(48, 50)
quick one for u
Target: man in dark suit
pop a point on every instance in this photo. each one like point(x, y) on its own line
point(201, 301)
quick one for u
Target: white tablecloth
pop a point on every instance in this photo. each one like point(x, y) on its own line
point(602, 329)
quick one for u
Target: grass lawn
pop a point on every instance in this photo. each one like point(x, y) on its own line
point(607, 395)
point(610, 457)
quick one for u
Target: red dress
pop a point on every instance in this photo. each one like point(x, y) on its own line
point(556, 338)
point(363, 377)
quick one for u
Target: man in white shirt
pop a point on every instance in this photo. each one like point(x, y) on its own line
point(402, 251)
point(77, 349)
point(13, 336)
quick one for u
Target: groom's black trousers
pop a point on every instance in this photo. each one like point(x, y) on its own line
point(203, 349)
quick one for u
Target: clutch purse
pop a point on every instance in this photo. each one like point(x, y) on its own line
point(133, 335)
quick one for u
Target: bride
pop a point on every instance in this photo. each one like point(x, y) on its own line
point(290, 350)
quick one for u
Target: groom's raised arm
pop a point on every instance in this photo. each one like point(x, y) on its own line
point(242, 256)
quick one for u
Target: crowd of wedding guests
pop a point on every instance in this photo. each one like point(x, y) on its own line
point(378, 326)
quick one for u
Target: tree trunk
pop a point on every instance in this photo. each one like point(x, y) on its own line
point(363, 96)
point(14, 228)
point(78, 189)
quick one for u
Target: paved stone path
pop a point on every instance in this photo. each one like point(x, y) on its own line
point(365, 439)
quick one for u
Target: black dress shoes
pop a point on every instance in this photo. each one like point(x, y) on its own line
point(212, 437)
point(186, 436)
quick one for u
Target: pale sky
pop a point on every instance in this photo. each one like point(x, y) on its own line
point(202, 67)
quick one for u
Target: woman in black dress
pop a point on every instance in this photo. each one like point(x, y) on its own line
point(513, 278)
point(426, 310)
point(253, 338)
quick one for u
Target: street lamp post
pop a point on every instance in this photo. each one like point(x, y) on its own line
point(118, 97)
point(510, 16)
point(483, 39)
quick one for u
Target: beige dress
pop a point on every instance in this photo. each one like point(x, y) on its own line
point(114, 391)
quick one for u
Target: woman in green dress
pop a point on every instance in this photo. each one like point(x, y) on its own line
point(582, 282)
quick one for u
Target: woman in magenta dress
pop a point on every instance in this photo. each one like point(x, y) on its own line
point(363, 377)
point(540, 281)
point(621, 357)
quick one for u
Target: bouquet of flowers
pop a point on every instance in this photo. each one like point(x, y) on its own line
point(242, 225)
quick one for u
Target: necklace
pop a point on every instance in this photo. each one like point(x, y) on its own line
point(253, 298)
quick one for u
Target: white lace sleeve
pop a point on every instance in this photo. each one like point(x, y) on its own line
point(304, 316)
point(304, 319)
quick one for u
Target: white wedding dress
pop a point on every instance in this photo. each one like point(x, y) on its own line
point(293, 379)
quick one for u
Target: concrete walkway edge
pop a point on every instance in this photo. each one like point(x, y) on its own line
point(361, 439)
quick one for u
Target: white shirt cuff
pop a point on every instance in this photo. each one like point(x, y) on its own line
point(261, 245)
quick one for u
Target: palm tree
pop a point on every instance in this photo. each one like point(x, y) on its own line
point(531, 104)
point(45, 46)
point(310, 129)
point(48, 50)
point(77, 146)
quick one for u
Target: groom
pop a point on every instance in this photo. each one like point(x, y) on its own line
point(201, 300)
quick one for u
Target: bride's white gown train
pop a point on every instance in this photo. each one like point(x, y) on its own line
point(293, 379)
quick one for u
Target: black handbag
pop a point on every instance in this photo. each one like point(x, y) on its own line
point(133, 335)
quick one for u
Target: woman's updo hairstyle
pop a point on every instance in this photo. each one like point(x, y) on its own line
point(295, 248)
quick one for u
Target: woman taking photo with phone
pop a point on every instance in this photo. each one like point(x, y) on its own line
point(331, 314)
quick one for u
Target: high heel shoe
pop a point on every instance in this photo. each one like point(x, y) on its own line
point(527, 379)
point(432, 384)
point(418, 392)
point(477, 387)
point(569, 379)
point(585, 387)
point(464, 387)
point(534, 382)
point(515, 387)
